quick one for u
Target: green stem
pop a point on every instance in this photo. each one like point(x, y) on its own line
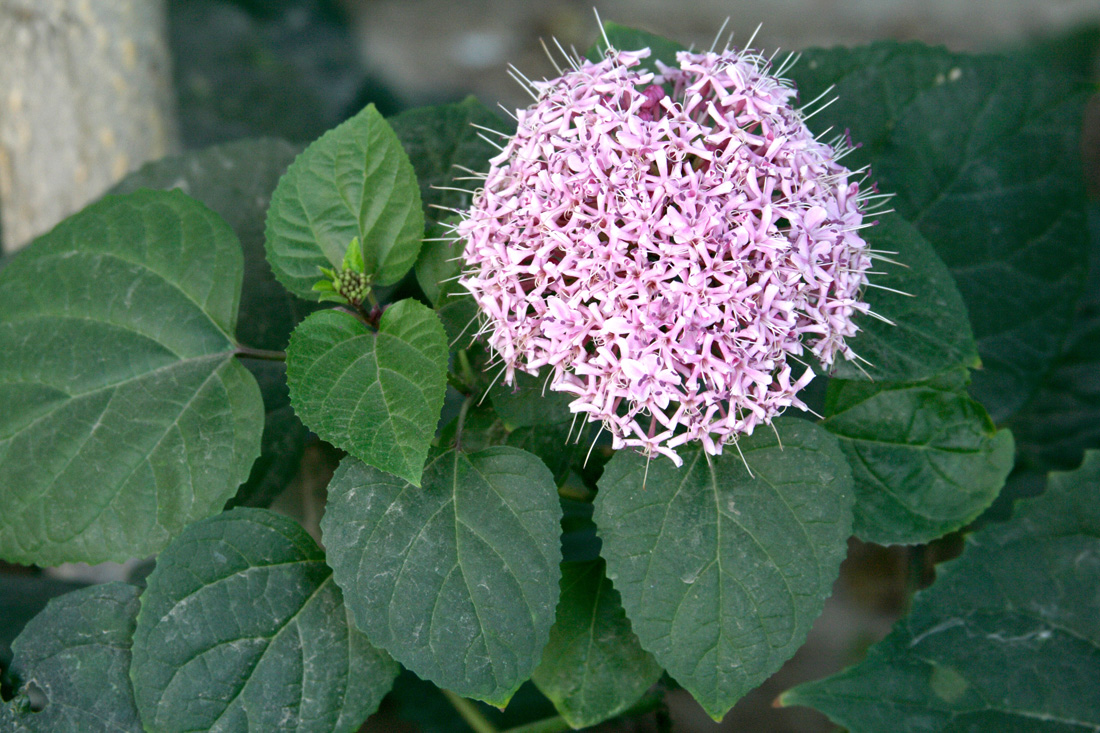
point(464, 367)
point(373, 300)
point(247, 352)
point(462, 421)
point(470, 713)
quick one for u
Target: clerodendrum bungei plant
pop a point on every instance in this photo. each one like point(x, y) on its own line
point(574, 360)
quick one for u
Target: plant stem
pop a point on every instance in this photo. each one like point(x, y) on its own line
point(470, 713)
point(247, 352)
point(373, 300)
point(462, 421)
point(464, 367)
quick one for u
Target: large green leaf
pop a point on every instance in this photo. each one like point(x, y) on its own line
point(722, 573)
point(930, 331)
point(441, 137)
point(926, 458)
point(982, 153)
point(236, 181)
point(1006, 640)
point(126, 415)
point(593, 667)
point(377, 395)
point(77, 653)
point(241, 628)
point(457, 579)
point(1063, 418)
point(354, 181)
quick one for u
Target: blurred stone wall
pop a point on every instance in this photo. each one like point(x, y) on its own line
point(85, 97)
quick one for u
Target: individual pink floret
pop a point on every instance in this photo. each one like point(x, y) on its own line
point(668, 245)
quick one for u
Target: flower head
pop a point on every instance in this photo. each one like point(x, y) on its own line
point(667, 244)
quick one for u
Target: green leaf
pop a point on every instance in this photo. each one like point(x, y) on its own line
point(722, 573)
point(1062, 420)
point(441, 137)
point(354, 181)
point(1006, 639)
point(982, 153)
point(440, 260)
point(126, 415)
point(377, 395)
point(632, 39)
point(353, 257)
point(931, 331)
point(236, 181)
point(77, 653)
point(593, 667)
point(458, 579)
point(926, 458)
point(242, 628)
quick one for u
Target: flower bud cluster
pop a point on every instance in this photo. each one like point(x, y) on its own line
point(667, 244)
point(352, 286)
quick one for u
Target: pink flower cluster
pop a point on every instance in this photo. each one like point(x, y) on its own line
point(667, 244)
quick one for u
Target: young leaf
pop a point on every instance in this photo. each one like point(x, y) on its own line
point(592, 668)
point(982, 153)
point(126, 415)
point(457, 579)
point(77, 652)
point(1006, 639)
point(926, 458)
point(354, 181)
point(377, 395)
point(722, 573)
point(242, 628)
point(442, 137)
point(236, 181)
point(931, 330)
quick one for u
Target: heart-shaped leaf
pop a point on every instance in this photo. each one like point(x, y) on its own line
point(126, 415)
point(377, 395)
point(722, 572)
point(457, 579)
point(354, 181)
point(926, 458)
point(242, 628)
point(236, 181)
point(1006, 639)
point(77, 653)
point(593, 667)
point(983, 154)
